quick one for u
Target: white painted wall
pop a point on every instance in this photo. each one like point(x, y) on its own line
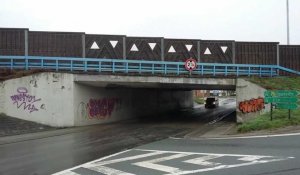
point(54, 95)
point(246, 90)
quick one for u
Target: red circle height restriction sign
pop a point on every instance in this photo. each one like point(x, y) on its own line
point(190, 64)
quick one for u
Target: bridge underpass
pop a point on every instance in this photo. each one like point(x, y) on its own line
point(164, 98)
point(95, 99)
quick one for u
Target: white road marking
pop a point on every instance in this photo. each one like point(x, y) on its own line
point(109, 171)
point(213, 168)
point(152, 164)
point(67, 171)
point(238, 137)
point(98, 165)
point(203, 160)
point(197, 153)
point(124, 159)
point(251, 158)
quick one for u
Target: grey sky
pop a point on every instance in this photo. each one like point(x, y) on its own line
point(241, 20)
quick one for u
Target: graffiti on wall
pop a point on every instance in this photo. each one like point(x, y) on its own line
point(99, 108)
point(24, 100)
point(252, 105)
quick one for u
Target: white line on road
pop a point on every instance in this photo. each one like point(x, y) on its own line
point(67, 171)
point(124, 159)
point(108, 171)
point(152, 164)
point(204, 160)
point(237, 137)
point(197, 153)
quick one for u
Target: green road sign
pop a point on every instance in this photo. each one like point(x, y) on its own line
point(286, 106)
point(281, 93)
point(281, 100)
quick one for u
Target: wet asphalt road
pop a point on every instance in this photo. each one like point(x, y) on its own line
point(243, 156)
point(53, 154)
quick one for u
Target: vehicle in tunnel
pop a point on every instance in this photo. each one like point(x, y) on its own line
point(211, 102)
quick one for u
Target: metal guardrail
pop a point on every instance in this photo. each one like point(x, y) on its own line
point(137, 66)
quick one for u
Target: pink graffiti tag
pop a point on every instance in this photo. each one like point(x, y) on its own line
point(22, 98)
point(101, 108)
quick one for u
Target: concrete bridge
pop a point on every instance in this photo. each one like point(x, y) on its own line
point(91, 79)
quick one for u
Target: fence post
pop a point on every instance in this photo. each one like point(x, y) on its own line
point(11, 63)
point(26, 63)
point(271, 71)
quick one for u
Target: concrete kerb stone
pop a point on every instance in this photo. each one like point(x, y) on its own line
point(40, 135)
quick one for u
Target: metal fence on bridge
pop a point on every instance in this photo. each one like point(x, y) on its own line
point(93, 65)
point(22, 42)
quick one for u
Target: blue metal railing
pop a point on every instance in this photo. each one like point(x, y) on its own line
point(137, 66)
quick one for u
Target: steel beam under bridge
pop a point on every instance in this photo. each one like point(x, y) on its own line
point(118, 81)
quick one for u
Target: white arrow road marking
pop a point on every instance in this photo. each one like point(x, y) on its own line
point(203, 160)
point(152, 163)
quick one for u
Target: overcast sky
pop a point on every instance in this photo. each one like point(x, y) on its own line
point(241, 20)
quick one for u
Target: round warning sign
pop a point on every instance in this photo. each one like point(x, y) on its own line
point(190, 64)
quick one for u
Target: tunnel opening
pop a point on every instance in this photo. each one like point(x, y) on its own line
point(155, 102)
point(198, 112)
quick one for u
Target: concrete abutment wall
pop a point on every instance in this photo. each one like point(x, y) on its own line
point(55, 99)
point(247, 96)
point(44, 98)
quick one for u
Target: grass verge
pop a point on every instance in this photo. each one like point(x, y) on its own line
point(280, 119)
point(277, 83)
